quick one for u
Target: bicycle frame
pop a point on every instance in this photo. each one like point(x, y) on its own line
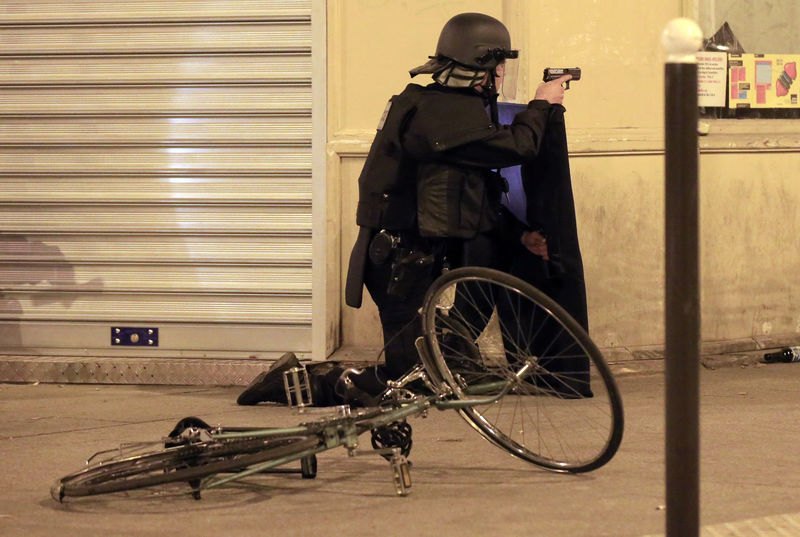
point(345, 430)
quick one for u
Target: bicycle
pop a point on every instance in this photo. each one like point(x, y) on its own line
point(521, 371)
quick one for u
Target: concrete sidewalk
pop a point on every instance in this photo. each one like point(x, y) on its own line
point(462, 485)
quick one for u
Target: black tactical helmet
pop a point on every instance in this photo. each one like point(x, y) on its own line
point(475, 40)
point(472, 39)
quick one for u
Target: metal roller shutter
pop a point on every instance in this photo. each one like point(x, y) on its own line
point(155, 171)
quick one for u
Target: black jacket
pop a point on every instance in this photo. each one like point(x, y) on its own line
point(429, 169)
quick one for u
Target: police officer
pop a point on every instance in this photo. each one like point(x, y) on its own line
point(428, 182)
point(428, 193)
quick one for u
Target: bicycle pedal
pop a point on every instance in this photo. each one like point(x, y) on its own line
point(401, 472)
point(298, 387)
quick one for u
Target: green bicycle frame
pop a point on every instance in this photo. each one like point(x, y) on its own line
point(345, 431)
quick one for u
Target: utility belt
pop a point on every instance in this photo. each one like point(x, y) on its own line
point(410, 258)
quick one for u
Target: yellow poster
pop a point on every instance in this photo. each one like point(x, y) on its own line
point(763, 81)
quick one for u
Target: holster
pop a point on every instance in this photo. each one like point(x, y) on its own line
point(409, 268)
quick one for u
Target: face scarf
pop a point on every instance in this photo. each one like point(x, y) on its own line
point(458, 76)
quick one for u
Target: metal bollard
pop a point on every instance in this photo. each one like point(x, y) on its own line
point(681, 39)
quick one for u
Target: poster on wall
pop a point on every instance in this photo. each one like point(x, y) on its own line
point(763, 81)
point(712, 78)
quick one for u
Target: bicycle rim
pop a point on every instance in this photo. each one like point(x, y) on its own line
point(175, 464)
point(484, 328)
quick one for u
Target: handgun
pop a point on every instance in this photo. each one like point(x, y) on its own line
point(551, 73)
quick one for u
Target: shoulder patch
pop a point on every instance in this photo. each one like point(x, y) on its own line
point(385, 113)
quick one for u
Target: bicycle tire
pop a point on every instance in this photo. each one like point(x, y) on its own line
point(568, 397)
point(189, 462)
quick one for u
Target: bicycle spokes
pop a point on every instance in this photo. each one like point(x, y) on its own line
point(561, 409)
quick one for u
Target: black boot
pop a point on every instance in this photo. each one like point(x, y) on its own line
point(268, 386)
point(328, 389)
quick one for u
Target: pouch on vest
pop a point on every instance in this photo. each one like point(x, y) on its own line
point(385, 185)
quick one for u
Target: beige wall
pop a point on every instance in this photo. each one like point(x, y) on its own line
point(750, 258)
point(615, 123)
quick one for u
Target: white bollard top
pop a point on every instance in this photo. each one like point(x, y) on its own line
point(681, 39)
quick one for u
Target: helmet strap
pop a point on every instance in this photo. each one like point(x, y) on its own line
point(491, 95)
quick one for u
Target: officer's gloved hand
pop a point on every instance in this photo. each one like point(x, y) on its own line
point(553, 91)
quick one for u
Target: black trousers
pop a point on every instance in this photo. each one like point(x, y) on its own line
point(400, 320)
point(402, 324)
point(399, 316)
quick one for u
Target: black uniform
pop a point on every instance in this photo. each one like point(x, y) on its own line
point(429, 181)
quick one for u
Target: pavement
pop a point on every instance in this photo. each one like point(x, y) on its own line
point(462, 486)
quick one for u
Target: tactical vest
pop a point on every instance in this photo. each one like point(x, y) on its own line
point(405, 161)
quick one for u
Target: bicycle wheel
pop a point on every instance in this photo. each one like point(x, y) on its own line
point(485, 328)
point(189, 462)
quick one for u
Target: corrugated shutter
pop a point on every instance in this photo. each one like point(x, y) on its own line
point(155, 170)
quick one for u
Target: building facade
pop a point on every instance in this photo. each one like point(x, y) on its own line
point(188, 170)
